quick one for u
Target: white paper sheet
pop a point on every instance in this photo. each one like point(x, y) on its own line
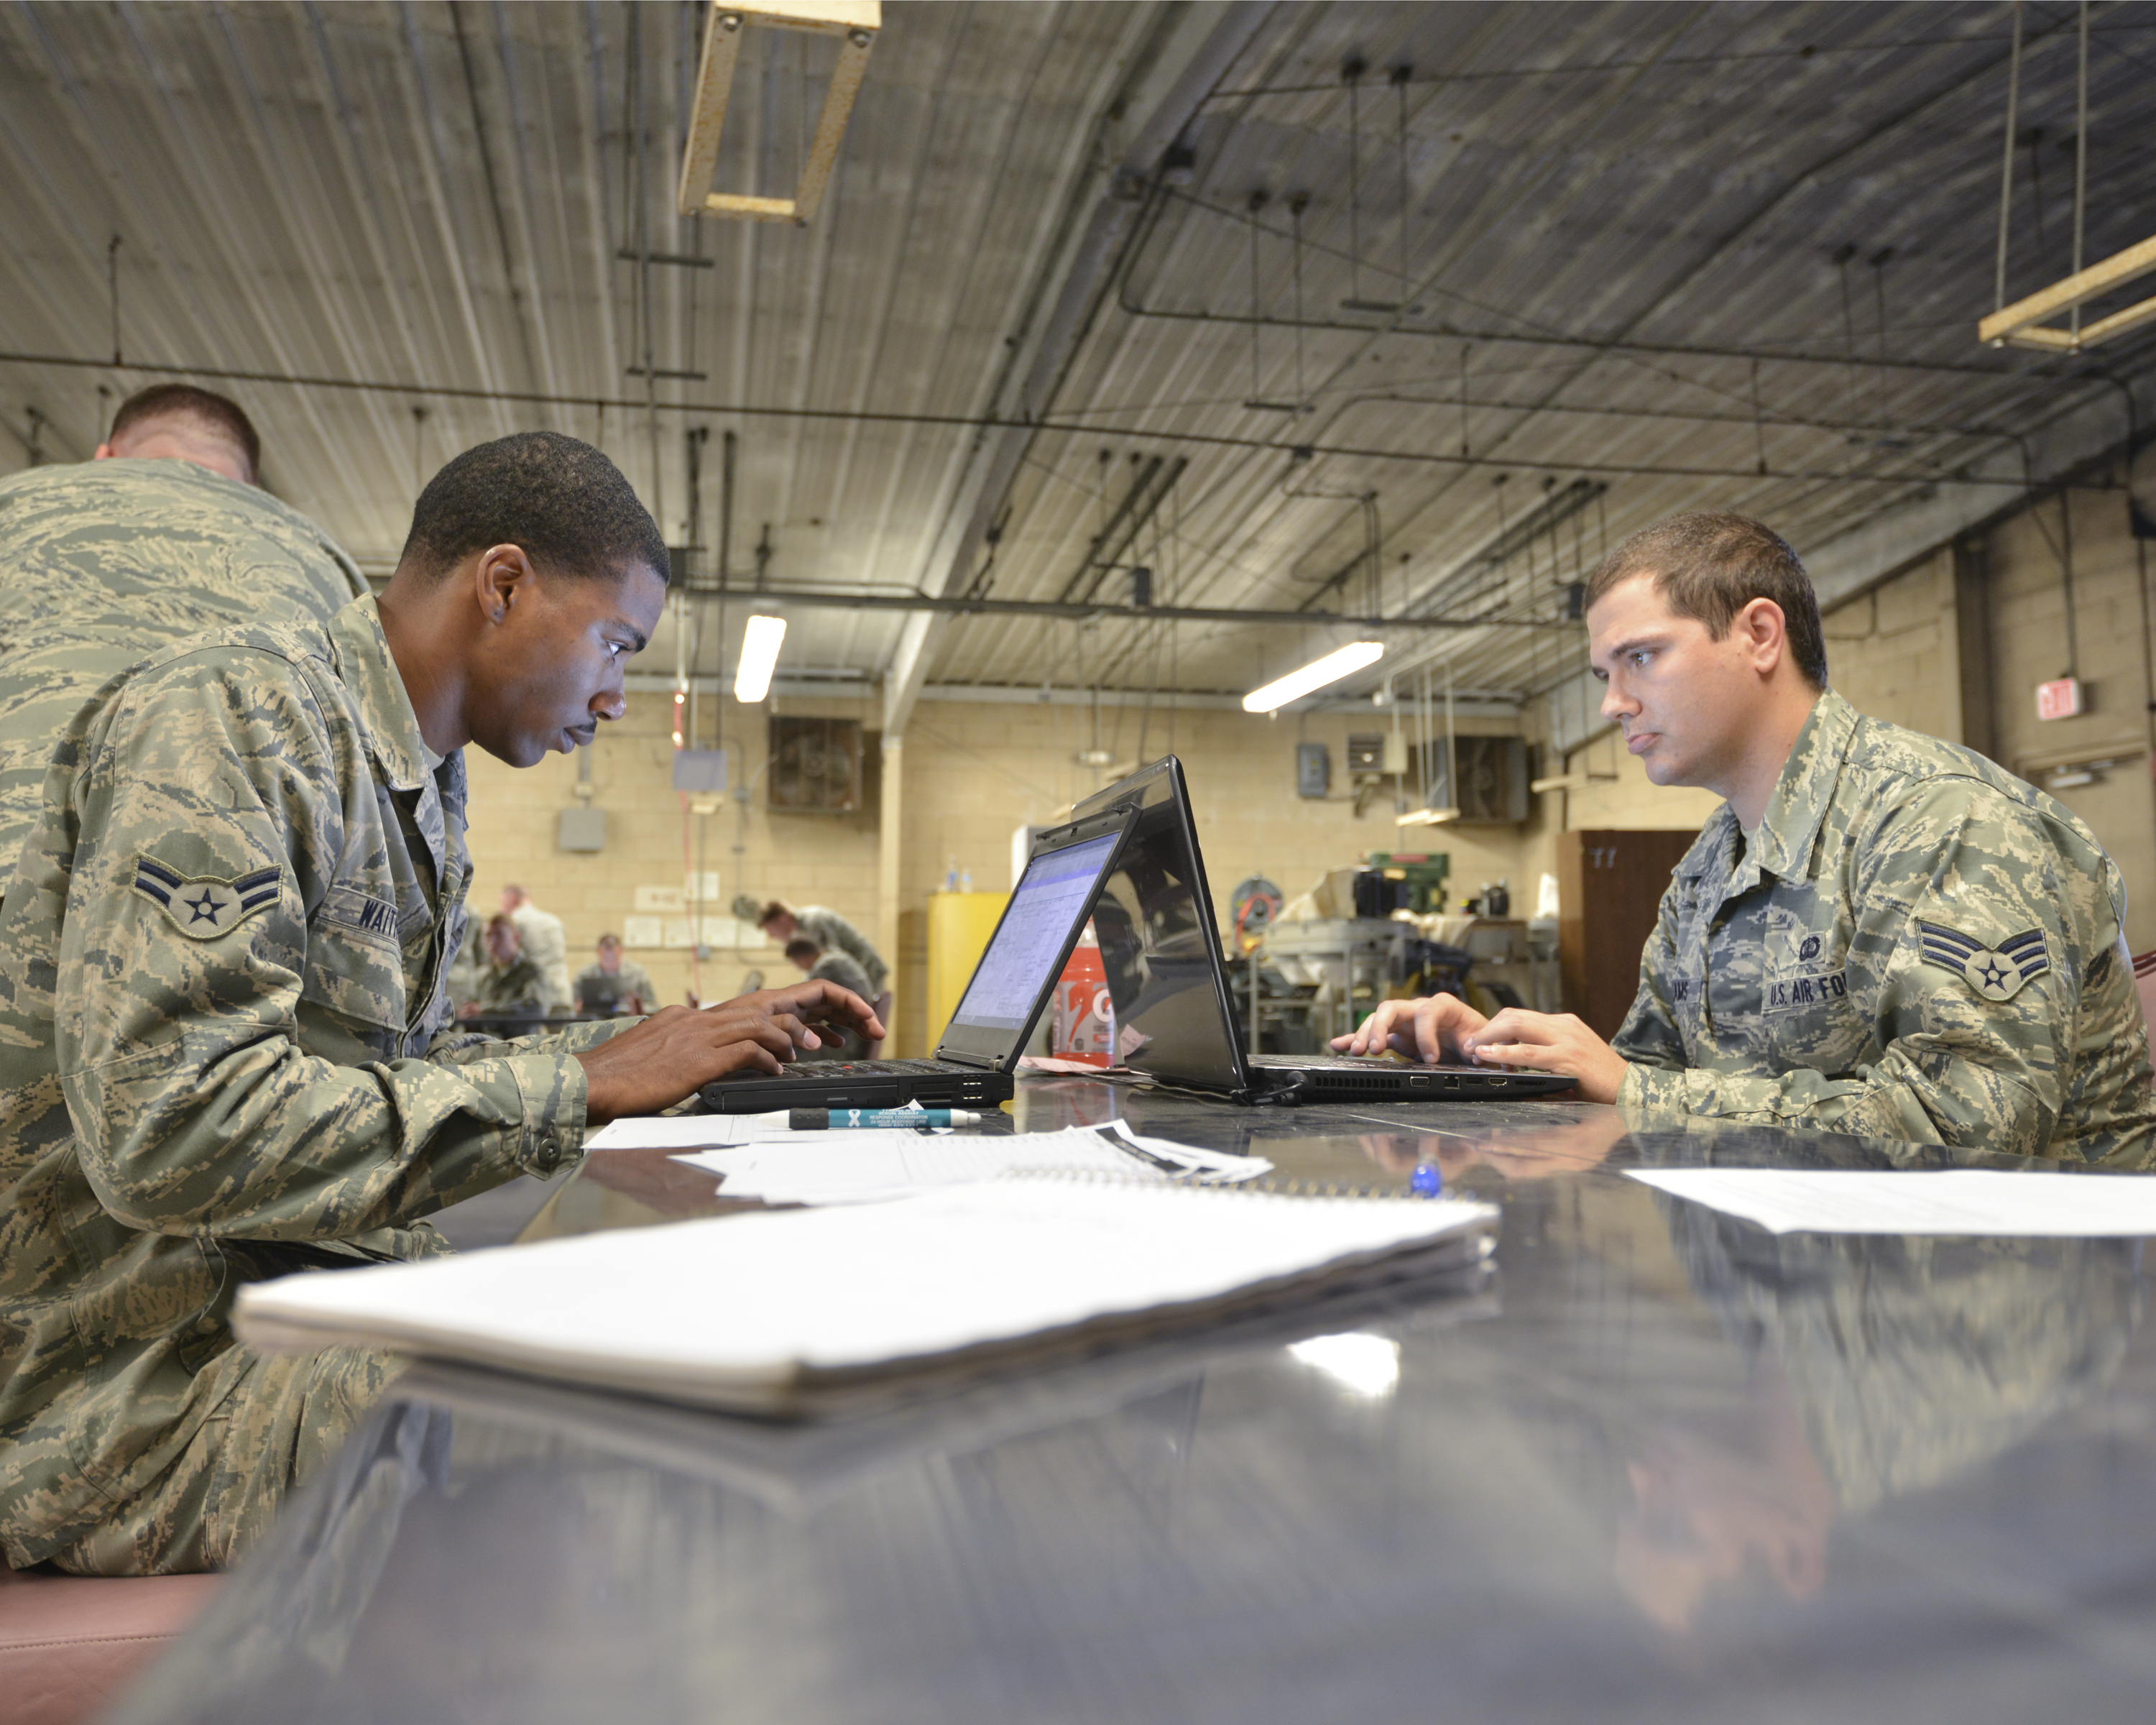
point(1952, 1201)
point(687, 1131)
point(873, 1165)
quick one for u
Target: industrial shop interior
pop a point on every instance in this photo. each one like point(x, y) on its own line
point(886, 861)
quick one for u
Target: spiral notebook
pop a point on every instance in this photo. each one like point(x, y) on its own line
point(822, 1312)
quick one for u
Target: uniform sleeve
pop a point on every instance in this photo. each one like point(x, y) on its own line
point(1649, 1036)
point(1957, 872)
point(195, 1110)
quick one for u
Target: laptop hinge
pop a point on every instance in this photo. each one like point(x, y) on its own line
point(967, 1060)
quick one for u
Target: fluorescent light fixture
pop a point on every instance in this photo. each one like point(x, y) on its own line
point(1297, 684)
point(760, 643)
point(1366, 1367)
point(1425, 817)
point(1558, 782)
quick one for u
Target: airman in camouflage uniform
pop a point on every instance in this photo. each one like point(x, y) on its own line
point(104, 563)
point(220, 985)
point(1877, 932)
point(514, 988)
point(224, 1047)
point(1913, 944)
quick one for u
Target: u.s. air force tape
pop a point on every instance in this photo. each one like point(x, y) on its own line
point(201, 906)
point(1996, 972)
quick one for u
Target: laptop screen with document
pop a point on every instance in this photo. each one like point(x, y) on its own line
point(1039, 926)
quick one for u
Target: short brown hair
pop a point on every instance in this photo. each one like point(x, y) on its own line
point(801, 947)
point(207, 410)
point(1709, 565)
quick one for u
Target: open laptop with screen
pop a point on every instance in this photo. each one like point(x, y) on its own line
point(979, 1052)
point(1174, 1016)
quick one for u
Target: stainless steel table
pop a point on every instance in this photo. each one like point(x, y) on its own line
point(1665, 1467)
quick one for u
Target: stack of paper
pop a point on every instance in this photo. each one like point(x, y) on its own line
point(863, 1166)
point(816, 1311)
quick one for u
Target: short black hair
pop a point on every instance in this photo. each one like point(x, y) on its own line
point(1709, 564)
point(556, 498)
point(801, 947)
point(210, 412)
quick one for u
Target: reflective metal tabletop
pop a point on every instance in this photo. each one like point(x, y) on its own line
point(1664, 1467)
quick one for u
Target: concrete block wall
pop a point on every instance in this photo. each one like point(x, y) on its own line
point(827, 860)
point(976, 771)
point(2027, 645)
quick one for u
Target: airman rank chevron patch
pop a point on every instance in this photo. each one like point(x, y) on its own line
point(1995, 973)
point(203, 906)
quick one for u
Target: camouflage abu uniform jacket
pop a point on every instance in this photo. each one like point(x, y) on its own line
point(221, 1057)
point(1914, 945)
point(104, 563)
point(517, 987)
point(833, 933)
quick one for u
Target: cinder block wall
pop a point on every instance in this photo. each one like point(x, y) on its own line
point(827, 860)
point(972, 773)
point(976, 771)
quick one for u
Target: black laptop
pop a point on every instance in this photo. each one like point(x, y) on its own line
point(1174, 1018)
point(975, 1062)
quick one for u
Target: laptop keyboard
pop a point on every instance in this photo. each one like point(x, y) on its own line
point(871, 1068)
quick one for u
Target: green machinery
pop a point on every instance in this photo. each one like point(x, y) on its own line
point(1416, 879)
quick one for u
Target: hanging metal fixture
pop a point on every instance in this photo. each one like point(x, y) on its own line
point(855, 23)
point(2025, 323)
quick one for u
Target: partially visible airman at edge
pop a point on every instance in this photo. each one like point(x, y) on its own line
point(165, 532)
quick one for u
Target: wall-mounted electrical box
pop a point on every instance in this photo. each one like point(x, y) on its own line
point(583, 829)
point(1313, 769)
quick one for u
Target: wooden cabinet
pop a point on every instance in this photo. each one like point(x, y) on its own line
point(1609, 885)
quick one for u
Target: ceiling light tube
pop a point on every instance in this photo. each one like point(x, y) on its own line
point(1425, 817)
point(760, 643)
point(1297, 684)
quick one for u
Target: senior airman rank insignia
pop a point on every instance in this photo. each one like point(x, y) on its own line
point(1995, 973)
point(203, 906)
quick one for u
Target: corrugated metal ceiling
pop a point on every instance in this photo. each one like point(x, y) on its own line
point(1650, 247)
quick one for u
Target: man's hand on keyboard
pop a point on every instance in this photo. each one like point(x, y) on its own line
point(675, 1051)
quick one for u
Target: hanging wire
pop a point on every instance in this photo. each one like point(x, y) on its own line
point(2006, 160)
point(1257, 307)
point(1401, 73)
point(1759, 418)
point(1296, 205)
point(1464, 346)
point(1352, 72)
point(1879, 261)
point(2066, 572)
point(1849, 347)
point(2080, 155)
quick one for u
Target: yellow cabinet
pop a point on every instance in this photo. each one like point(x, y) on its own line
point(959, 924)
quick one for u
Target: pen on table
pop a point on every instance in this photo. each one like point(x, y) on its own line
point(806, 1120)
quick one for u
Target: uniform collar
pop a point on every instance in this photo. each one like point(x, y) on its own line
point(385, 710)
point(1801, 795)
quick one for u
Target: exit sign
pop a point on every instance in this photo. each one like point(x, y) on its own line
point(2061, 699)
